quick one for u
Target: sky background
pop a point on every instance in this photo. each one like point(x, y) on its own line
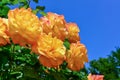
point(98, 20)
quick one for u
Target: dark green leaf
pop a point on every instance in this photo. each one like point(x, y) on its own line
point(43, 13)
point(4, 11)
point(24, 4)
point(40, 7)
point(5, 1)
point(35, 11)
point(66, 44)
point(35, 1)
point(14, 2)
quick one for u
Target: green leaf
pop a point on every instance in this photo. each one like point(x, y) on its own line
point(4, 56)
point(24, 4)
point(58, 76)
point(17, 74)
point(43, 13)
point(13, 2)
point(36, 1)
point(5, 1)
point(66, 44)
point(68, 70)
point(35, 11)
point(21, 0)
point(30, 73)
point(4, 11)
point(40, 7)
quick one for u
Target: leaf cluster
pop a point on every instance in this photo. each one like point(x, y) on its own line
point(6, 4)
point(20, 63)
point(109, 67)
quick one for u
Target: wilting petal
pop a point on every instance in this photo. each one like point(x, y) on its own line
point(4, 39)
point(73, 32)
point(95, 77)
point(76, 56)
point(51, 51)
point(55, 24)
point(25, 24)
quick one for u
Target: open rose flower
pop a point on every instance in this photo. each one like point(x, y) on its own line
point(73, 32)
point(76, 56)
point(51, 51)
point(55, 24)
point(24, 26)
point(95, 77)
point(4, 39)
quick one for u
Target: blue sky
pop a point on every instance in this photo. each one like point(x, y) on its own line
point(98, 20)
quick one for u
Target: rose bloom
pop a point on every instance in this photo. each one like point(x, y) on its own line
point(4, 39)
point(76, 56)
point(95, 77)
point(73, 32)
point(24, 26)
point(51, 50)
point(55, 24)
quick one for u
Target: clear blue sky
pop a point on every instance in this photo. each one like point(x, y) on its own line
point(98, 20)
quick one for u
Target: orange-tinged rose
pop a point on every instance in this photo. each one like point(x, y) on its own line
point(95, 77)
point(76, 56)
point(73, 32)
point(4, 39)
point(24, 25)
point(55, 24)
point(18, 39)
point(51, 51)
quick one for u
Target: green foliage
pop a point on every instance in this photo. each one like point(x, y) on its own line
point(39, 9)
point(66, 44)
point(14, 62)
point(109, 67)
point(5, 6)
point(20, 63)
point(3, 10)
point(43, 13)
point(35, 1)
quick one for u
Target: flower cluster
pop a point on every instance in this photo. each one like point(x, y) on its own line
point(45, 37)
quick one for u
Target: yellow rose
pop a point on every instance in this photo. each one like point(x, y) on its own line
point(73, 32)
point(24, 25)
point(51, 51)
point(55, 24)
point(76, 56)
point(4, 39)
